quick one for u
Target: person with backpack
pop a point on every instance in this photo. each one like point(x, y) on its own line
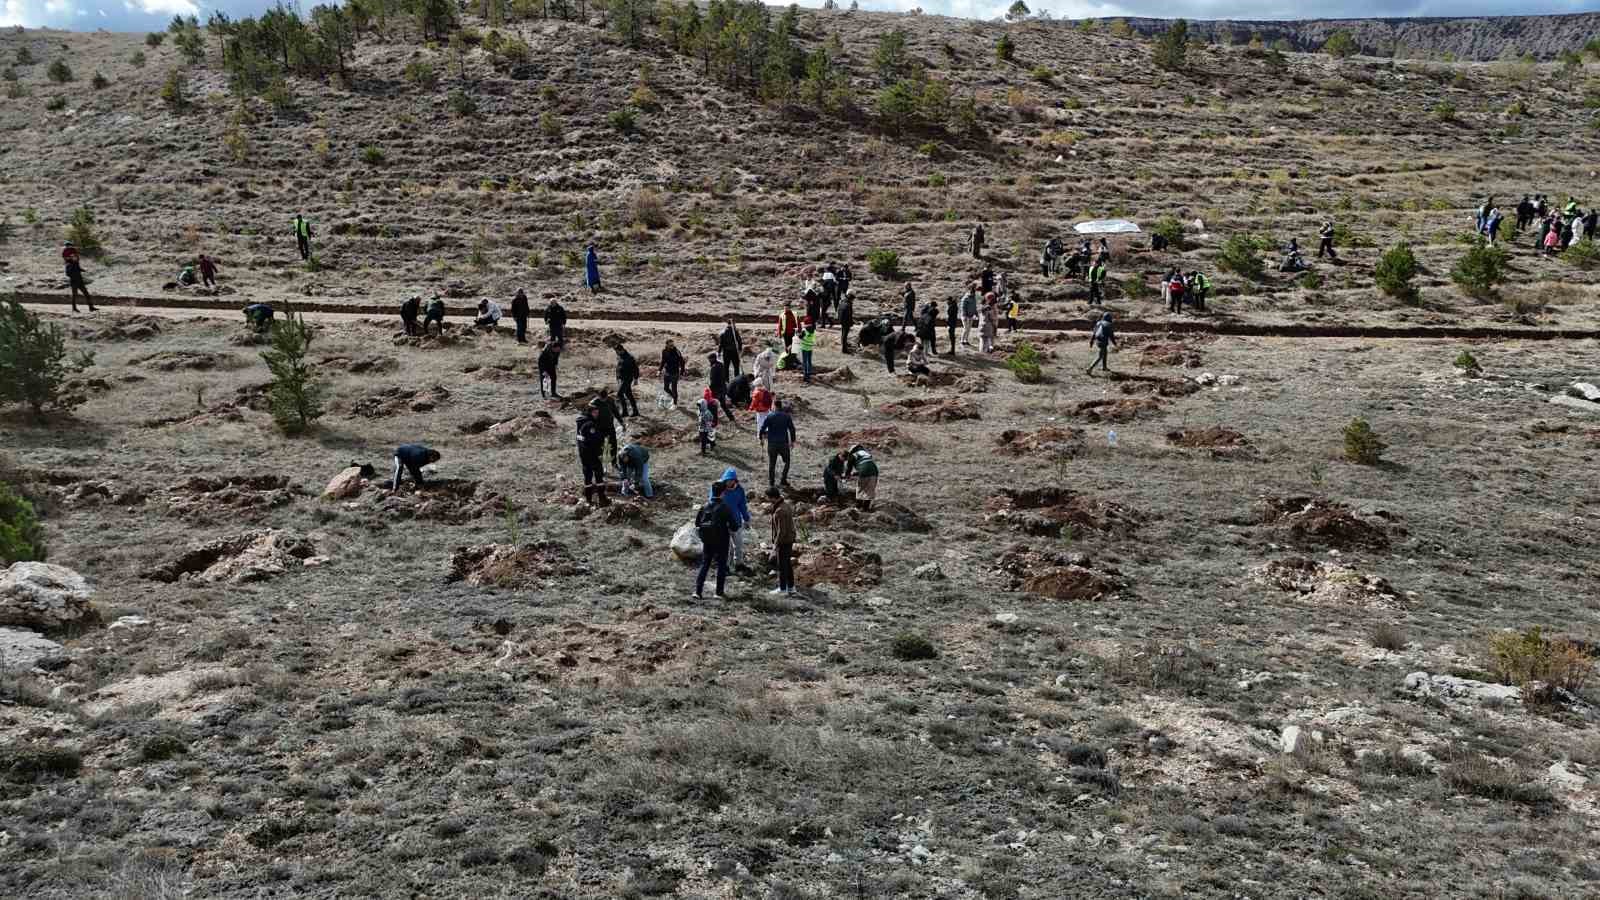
point(731, 346)
point(788, 326)
point(1325, 248)
point(591, 438)
point(627, 374)
point(847, 319)
point(952, 315)
point(555, 319)
point(714, 523)
point(1524, 213)
point(74, 270)
point(434, 313)
point(302, 235)
point(717, 379)
point(672, 364)
point(761, 401)
point(969, 315)
point(1175, 290)
point(549, 360)
point(808, 343)
point(860, 465)
point(781, 515)
point(1103, 337)
point(777, 429)
point(633, 461)
point(208, 270)
point(519, 314)
point(733, 496)
point(409, 308)
point(591, 269)
point(411, 458)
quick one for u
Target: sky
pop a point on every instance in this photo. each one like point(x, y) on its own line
point(153, 15)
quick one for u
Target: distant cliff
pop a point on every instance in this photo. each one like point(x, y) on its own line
point(1480, 38)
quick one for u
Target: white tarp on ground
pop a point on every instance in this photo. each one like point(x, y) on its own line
point(1106, 226)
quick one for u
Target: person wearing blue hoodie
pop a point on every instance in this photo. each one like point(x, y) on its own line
point(733, 496)
point(591, 269)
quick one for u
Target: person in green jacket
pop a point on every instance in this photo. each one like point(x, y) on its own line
point(1199, 287)
point(808, 343)
point(1097, 284)
point(302, 235)
point(860, 464)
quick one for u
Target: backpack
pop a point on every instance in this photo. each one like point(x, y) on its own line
point(703, 520)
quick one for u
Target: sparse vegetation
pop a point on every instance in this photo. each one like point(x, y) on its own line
point(1172, 47)
point(59, 71)
point(99, 82)
point(1340, 45)
point(649, 209)
point(1170, 229)
point(1395, 271)
point(1005, 48)
point(550, 124)
point(1466, 362)
point(1361, 444)
point(1480, 270)
point(1024, 364)
point(462, 104)
point(624, 119)
point(883, 263)
point(81, 231)
point(909, 647)
point(1543, 667)
point(21, 535)
point(295, 394)
point(1240, 256)
point(33, 358)
point(174, 91)
point(372, 156)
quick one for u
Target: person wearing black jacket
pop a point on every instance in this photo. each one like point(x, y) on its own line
point(715, 525)
point(718, 382)
point(847, 316)
point(671, 368)
point(627, 374)
point(928, 326)
point(778, 431)
point(739, 390)
point(412, 457)
point(909, 295)
point(952, 314)
point(731, 346)
point(549, 359)
point(591, 437)
point(409, 308)
point(606, 417)
point(555, 318)
point(886, 346)
point(519, 314)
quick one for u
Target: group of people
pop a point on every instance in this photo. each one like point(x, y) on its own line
point(1178, 288)
point(1558, 227)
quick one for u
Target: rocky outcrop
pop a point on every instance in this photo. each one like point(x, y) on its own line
point(1477, 38)
point(43, 596)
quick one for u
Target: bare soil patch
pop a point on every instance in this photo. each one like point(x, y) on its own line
point(1049, 440)
point(1047, 512)
point(1174, 354)
point(877, 437)
point(452, 500)
point(1328, 584)
point(212, 498)
point(1220, 441)
point(840, 564)
point(394, 401)
point(1317, 520)
point(505, 566)
point(249, 556)
point(1117, 410)
point(1059, 576)
point(181, 360)
point(512, 430)
point(919, 409)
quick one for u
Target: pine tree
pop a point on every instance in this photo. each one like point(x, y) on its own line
point(294, 396)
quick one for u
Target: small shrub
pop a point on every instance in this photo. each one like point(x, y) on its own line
point(909, 647)
point(372, 156)
point(462, 104)
point(1341, 45)
point(59, 71)
point(1171, 229)
point(1043, 74)
point(1444, 111)
point(1361, 443)
point(1582, 253)
point(80, 231)
point(21, 535)
point(56, 104)
point(550, 124)
point(1024, 364)
point(1309, 280)
point(27, 763)
point(163, 747)
point(1172, 47)
point(137, 59)
point(24, 56)
point(154, 39)
point(99, 82)
point(33, 358)
point(624, 119)
point(294, 395)
point(1473, 773)
point(649, 209)
point(421, 73)
point(883, 263)
point(280, 95)
point(1466, 362)
point(174, 91)
point(1005, 48)
point(1395, 270)
point(1539, 665)
point(1481, 270)
point(1385, 636)
point(1239, 256)
point(644, 99)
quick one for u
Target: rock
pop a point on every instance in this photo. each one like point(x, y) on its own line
point(929, 572)
point(879, 602)
point(1228, 380)
point(43, 596)
point(1205, 378)
point(1448, 686)
point(245, 557)
point(1575, 403)
point(1006, 618)
point(1289, 741)
point(22, 650)
point(1585, 391)
point(129, 624)
point(344, 485)
point(1562, 777)
point(686, 543)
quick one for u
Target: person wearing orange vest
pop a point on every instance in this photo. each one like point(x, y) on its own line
point(788, 326)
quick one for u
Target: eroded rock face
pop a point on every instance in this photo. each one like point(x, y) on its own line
point(43, 596)
point(1478, 38)
point(1423, 684)
point(256, 555)
point(22, 650)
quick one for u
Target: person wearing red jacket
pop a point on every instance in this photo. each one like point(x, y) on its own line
point(788, 326)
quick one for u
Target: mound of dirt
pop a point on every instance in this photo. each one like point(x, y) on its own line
point(1047, 512)
point(93, 493)
point(1170, 353)
point(365, 365)
point(918, 409)
point(245, 557)
point(1050, 441)
point(1222, 442)
point(506, 566)
point(451, 500)
point(132, 328)
point(435, 340)
point(841, 375)
point(77, 390)
point(205, 499)
point(1059, 576)
point(510, 431)
point(1328, 584)
point(502, 373)
point(1159, 387)
point(1316, 520)
point(227, 411)
point(962, 383)
point(886, 515)
point(1117, 410)
point(881, 437)
point(839, 564)
point(394, 401)
point(175, 360)
point(660, 435)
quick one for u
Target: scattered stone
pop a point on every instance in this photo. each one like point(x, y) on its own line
point(1228, 380)
point(129, 623)
point(452, 500)
point(1006, 618)
point(685, 543)
point(931, 571)
point(841, 375)
point(249, 556)
point(1576, 403)
point(1205, 379)
point(506, 566)
point(44, 596)
point(365, 365)
point(1584, 391)
point(205, 498)
point(1316, 520)
point(22, 650)
point(345, 485)
point(1290, 739)
point(1328, 584)
point(1051, 441)
point(512, 430)
point(1450, 687)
